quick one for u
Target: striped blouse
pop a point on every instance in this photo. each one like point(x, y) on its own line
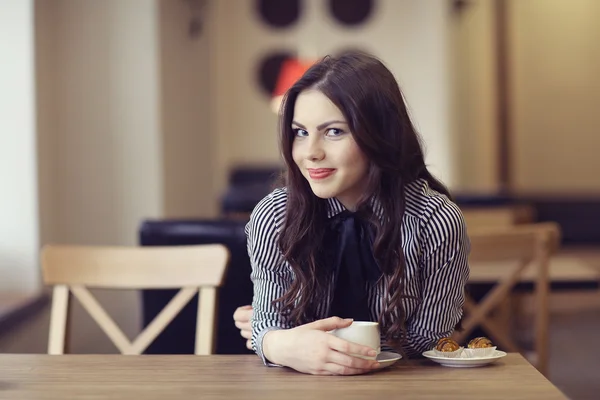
point(435, 245)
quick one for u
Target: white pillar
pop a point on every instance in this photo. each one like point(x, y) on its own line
point(19, 236)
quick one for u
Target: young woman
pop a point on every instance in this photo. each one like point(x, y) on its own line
point(361, 231)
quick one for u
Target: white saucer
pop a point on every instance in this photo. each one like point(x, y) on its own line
point(387, 358)
point(463, 361)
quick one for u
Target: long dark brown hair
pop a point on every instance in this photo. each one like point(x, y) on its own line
point(370, 99)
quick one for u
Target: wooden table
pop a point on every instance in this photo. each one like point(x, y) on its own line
point(34, 376)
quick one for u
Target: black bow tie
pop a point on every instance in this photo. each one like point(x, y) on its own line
point(350, 239)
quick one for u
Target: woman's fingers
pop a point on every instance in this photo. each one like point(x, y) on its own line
point(328, 324)
point(246, 334)
point(244, 326)
point(343, 346)
point(346, 360)
point(249, 344)
point(243, 314)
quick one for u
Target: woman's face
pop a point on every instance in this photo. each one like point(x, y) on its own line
point(325, 151)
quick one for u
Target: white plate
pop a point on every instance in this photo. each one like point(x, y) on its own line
point(387, 358)
point(464, 362)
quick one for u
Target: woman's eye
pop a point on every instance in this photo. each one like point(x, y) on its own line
point(300, 132)
point(334, 132)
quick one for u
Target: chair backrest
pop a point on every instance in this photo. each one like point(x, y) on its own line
point(511, 243)
point(192, 269)
point(498, 216)
point(512, 251)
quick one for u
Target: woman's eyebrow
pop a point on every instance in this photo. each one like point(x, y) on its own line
point(298, 124)
point(321, 126)
point(326, 124)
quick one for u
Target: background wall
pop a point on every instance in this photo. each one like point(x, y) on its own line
point(554, 89)
point(555, 86)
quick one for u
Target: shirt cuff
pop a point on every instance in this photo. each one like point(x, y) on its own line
point(259, 346)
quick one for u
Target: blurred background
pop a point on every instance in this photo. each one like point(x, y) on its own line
point(119, 114)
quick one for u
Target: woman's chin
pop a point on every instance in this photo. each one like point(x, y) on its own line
point(323, 193)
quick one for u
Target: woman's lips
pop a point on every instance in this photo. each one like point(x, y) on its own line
point(320, 173)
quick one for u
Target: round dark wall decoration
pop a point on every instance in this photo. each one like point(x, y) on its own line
point(269, 67)
point(278, 13)
point(351, 12)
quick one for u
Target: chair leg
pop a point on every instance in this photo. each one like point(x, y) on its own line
point(58, 319)
point(542, 322)
point(503, 316)
point(492, 328)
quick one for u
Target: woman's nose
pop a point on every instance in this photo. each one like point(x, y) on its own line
point(315, 151)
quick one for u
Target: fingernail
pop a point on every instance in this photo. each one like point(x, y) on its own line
point(376, 365)
point(372, 353)
point(349, 319)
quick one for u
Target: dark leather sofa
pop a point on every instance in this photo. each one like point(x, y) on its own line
point(178, 337)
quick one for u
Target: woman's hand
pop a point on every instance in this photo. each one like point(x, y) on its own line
point(310, 349)
point(242, 316)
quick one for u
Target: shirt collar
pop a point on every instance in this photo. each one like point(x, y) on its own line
point(334, 207)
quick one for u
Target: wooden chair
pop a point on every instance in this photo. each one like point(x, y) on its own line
point(501, 256)
point(194, 269)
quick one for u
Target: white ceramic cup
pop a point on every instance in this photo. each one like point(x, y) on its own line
point(361, 332)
